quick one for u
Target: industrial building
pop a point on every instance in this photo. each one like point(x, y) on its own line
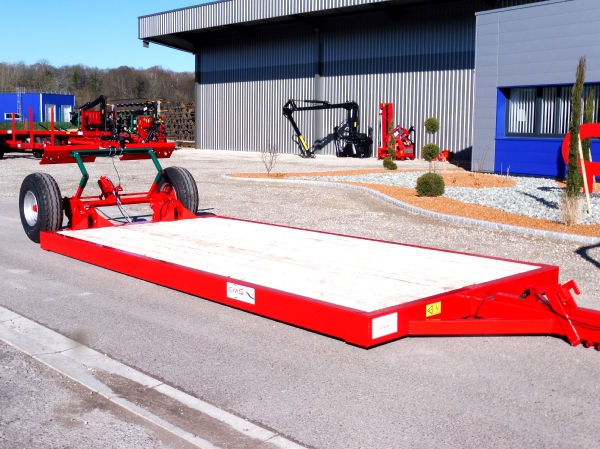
point(496, 73)
point(40, 103)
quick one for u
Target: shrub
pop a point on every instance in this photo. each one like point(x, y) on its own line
point(432, 125)
point(430, 152)
point(389, 163)
point(430, 184)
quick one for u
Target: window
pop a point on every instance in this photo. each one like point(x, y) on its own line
point(8, 116)
point(543, 111)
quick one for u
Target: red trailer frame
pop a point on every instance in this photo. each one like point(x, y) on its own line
point(38, 141)
point(31, 139)
point(530, 303)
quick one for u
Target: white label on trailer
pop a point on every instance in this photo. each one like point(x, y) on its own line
point(384, 325)
point(240, 293)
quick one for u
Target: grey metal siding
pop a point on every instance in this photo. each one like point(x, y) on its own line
point(529, 45)
point(240, 95)
point(423, 64)
point(232, 12)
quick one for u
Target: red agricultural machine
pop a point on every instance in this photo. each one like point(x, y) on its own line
point(127, 125)
point(395, 141)
point(95, 126)
point(172, 195)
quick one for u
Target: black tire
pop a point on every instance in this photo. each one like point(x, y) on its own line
point(38, 153)
point(40, 205)
point(1, 149)
point(184, 185)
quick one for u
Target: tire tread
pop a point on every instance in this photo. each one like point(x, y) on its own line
point(185, 187)
point(50, 211)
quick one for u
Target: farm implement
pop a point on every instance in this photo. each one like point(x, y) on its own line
point(397, 142)
point(29, 138)
point(323, 282)
point(349, 142)
point(96, 127)
point(172, 195)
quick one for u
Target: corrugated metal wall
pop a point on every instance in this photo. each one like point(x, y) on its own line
point(231, 12)
point(422, 63)
point(244, 84)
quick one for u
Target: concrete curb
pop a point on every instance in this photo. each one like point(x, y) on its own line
point(584, 240)
point(77, 362)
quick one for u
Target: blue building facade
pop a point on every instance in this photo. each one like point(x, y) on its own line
point(40, 103)
point(526, 57)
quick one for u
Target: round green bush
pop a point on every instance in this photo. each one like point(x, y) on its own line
point(430, 152)
point(389, 163)
point(432, 125)
point(430, 184)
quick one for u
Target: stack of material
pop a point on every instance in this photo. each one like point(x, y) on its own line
point(180, 121)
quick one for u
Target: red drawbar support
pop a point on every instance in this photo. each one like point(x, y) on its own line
point(481, 327)
point(541, 310)
point(82, 217)
point(167, 207)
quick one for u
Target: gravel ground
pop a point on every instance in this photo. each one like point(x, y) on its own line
point(531, 197)
point(515, 392)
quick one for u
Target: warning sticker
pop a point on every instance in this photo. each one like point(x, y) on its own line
point(433, 309)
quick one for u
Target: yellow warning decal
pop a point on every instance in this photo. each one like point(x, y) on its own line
point(433, 309)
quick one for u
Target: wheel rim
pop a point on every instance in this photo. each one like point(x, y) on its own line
point(167, 188)
point(30, 208)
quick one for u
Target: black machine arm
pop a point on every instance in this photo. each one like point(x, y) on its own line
point(354, 143)
point(101, 100)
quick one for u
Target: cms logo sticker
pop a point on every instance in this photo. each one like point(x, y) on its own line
point(384, 325)
point(241, 293)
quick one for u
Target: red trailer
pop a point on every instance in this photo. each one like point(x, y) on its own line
point(96, 128)
point(323, 282)
point(30, 139)
point(329, 283)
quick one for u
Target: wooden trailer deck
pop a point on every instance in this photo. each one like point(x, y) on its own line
point(347, 287)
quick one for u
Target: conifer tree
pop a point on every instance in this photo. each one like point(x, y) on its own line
point(574, 178)
point(588, 117)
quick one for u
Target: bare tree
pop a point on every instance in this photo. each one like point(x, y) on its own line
point(89, 82)
point(268, 156)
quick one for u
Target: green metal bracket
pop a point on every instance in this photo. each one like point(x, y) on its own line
point(112, 152)
point(85, 176)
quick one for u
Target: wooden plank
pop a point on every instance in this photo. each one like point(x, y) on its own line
point(304, 242)
point(341, 270)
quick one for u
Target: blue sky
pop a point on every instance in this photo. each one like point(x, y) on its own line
point(94, 33)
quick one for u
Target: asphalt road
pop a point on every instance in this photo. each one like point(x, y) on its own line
point(44, 409)
point(508, 392)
